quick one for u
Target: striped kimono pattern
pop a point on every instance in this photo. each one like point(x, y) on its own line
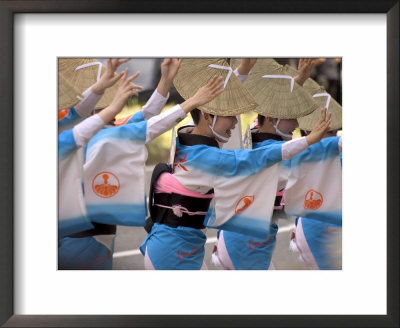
point(238, 178)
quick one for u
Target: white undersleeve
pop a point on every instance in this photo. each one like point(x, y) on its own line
point(340, 144)
point(242, 78)
point(154, 105)
point(87, 129)
point(85, 107)
point(163, 122)
point(293, 147)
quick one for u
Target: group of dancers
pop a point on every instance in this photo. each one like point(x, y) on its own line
point(240, 192)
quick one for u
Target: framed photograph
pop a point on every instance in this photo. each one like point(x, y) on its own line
point(33, 34)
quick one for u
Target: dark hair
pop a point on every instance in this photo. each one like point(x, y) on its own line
point(196, 115)
point(261, 120)
point(303, 133)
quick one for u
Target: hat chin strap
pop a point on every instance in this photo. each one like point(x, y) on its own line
point(223, 139)
point(279, 132)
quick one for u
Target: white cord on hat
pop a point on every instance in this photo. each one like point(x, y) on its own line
point(89, 65)
point(228, 68)
point(324, 95)
point(281, 77)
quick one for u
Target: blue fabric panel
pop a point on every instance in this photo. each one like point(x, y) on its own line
point(240, 224)
point(180, 248)
point(73, 225)
point(250, 253)
point(66, 143)
point(137, 117)
point(318, 241)
point(327, 148)
point(84, 254)
point(228, 163)
point(134, 132)
point(69, 121)
point(118, 214)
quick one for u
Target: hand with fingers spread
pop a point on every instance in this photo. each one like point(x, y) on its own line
point(246, 64)
point(205, 94)
point(109, 78)
point(305, 68)
point(169, 68)
point(126, 90)
point(321, 128)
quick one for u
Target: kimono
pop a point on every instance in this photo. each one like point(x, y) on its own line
point(242, 254)
point(72, 211)
point(200, 167)
point(248, 251)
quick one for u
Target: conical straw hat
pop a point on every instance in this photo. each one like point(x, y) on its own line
point(276, 91)
point(323, 99)
point(67, 94)
point(195, 73)
point(83, 73)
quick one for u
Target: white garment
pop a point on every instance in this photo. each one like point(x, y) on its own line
point(87, 129)
point(85, 107)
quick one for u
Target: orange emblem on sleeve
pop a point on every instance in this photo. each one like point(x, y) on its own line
point(62, 113)
point(122, 121)
point(105, 184)
point(244, 203)
point(313, 200)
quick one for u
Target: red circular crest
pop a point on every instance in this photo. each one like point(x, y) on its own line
point(105, 184)
point(313, 200)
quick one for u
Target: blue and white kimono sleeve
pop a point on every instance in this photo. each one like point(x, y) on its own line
point(244, 187)
point(314, 187)
point(114, 175)
point(72, 216)
point(69, 121)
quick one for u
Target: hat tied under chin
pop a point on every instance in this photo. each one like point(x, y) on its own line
point(279, 132)
point(223, 139)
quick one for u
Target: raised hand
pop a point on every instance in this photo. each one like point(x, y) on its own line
point(109, 78)
point(246, 64)
point(320, 129)
point(126, 90)
point(305, 68)
point(205, 94)
point(169, 68)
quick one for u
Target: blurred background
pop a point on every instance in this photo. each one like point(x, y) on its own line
point(327, 72)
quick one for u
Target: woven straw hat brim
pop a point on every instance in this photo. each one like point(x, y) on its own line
point(67, 94)
point(194, 73)
point(83, 78)
point(312, 87)
point(274, 95)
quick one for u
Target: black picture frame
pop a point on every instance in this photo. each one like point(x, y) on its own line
point(7, 11)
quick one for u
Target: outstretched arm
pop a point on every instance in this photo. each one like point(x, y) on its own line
point(163, 122)
point(90, 126)
point(92, 95)
point(169, 68)
point(204, 95)
point(296, 146)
